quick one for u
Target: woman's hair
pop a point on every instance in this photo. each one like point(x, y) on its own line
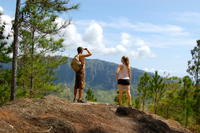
point(125, 60)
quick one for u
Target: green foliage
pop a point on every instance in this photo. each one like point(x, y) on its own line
point(170, 104)
point(124, 98)
point(38, 44)
point(105, 95)
point(187, 95)
point(196, 103)
point(64, 92)
point(144, 88)
point(137, 103)
point(5, 49)
point(43, 78)
point(157, 89)
point(194, 71)
point(194, 64)
point(90, 95)
point(175, 99)
point(5, 76)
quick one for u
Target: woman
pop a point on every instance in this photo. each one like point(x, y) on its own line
point(123, 76)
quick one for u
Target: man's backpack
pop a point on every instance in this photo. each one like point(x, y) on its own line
point(76, 64)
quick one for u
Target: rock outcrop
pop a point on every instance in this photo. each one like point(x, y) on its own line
point(56, 115)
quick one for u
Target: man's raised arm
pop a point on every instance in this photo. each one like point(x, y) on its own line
point(88, 53)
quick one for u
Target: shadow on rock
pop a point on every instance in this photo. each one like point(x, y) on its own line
point(146, 123)
point(97, 130)
point(54, 124)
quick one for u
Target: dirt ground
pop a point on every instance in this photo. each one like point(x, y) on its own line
point(56, 115)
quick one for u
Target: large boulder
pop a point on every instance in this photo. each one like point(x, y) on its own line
point(145, 123)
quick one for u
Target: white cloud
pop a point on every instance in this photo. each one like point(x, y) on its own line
point(125, 39)
point(157, 35)
point(143, 51)
point(8, 27)
point(1, 10)
point(93, 38)
point(167, 29)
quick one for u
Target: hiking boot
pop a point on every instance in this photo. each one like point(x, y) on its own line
point(81, 101)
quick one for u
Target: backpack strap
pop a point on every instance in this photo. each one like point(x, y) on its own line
point(77, 56)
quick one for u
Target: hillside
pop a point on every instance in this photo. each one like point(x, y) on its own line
point(100, 74)
point(55, 115)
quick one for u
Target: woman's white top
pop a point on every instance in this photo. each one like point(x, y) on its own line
point(123, 73)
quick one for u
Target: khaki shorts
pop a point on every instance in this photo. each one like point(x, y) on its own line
point(80, 80)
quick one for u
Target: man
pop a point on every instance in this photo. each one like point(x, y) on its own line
point(80, 75)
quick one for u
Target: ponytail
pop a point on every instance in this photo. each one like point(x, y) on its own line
point(126, 61)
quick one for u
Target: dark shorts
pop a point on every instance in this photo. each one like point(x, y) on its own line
point(123, 81)
point(80, 80)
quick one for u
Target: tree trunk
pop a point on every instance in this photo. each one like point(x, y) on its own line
point(167, 112)
point(155, 103)
point(32, 58)
point(197, 70)
point(143, 103)
point(155, 106)
point(186, 110)
point(15, 51)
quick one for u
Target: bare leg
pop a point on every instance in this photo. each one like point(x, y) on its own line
point(120, 94)
point(128, 92)
point(80, 94)
point(75, 92)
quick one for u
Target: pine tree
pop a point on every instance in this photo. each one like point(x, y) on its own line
point(194, 64)
point(90, 95)
point(187, 91)
point(5, 50)
point(39, 44)
point(15, 51)
point(157, 89)
point(171, 100)
point(194, 71)
point(144, 88)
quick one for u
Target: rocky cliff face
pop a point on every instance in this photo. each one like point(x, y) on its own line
point(55, 115)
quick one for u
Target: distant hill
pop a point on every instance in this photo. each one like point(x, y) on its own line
point(99, 74)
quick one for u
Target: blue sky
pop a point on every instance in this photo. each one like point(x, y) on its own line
point(155, 34)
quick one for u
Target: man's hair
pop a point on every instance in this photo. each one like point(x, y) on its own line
point(79, 50)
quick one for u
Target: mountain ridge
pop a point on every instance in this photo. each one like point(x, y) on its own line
point(100, 74)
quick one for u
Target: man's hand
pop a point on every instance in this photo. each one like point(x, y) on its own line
point(88, 53)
